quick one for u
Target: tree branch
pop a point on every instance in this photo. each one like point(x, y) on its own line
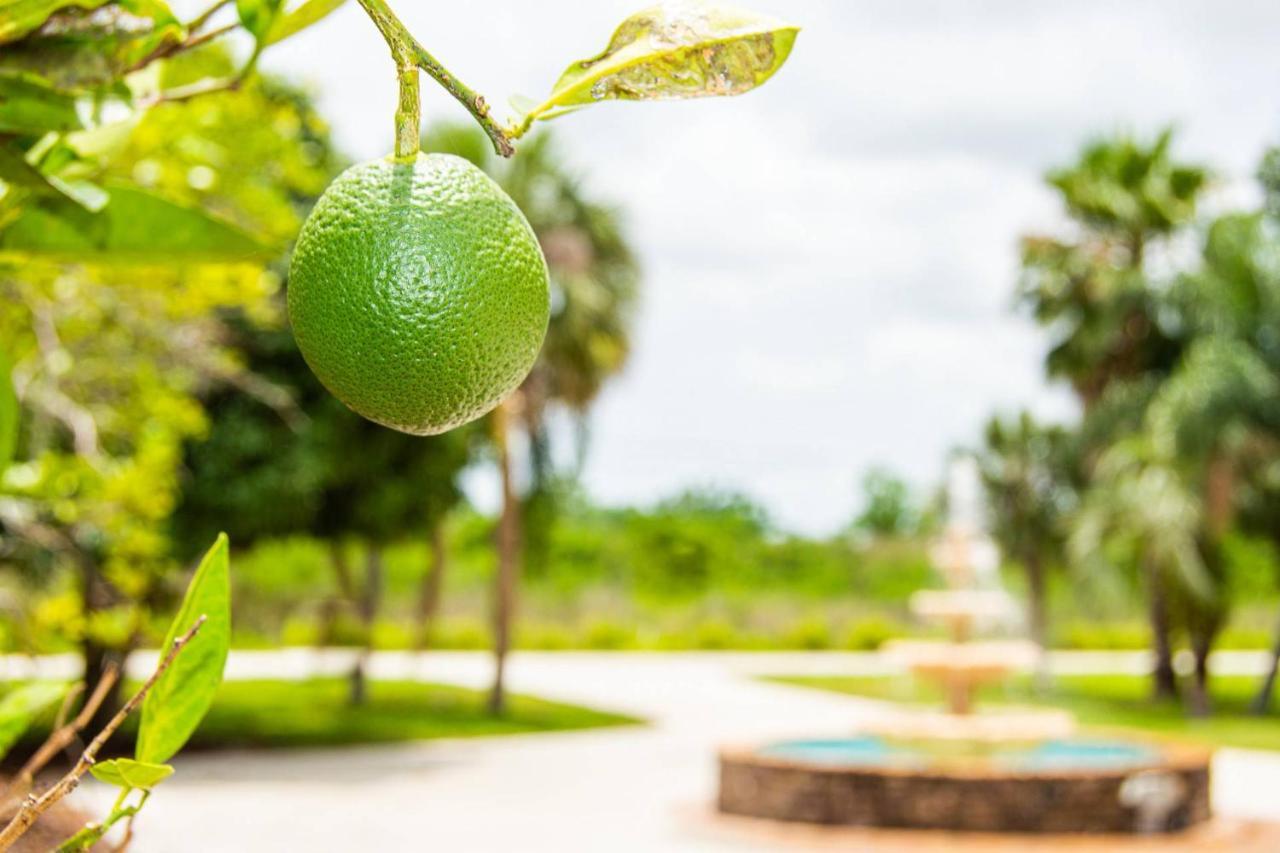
point(62, 736)
point(405, 49)
point(200, 20)
point(35, 806)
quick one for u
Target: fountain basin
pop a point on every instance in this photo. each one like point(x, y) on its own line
point(1086, 785)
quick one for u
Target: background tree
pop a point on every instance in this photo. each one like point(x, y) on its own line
point(1107, 314)
point(594, 282)
point(887, 510)
point(111, 353)
point(1092, 289)
point(1027, 471)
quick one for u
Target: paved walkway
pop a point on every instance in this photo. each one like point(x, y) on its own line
point(628, 789)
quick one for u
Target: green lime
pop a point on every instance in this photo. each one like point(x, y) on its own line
point(418, 292)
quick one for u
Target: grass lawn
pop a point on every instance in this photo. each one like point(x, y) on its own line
point(316, 713)
point(266, 714)
point(1116, 702)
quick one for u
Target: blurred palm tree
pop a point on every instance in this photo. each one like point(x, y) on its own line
point(594, 284)
point(1092, 288)
point(1027, 468)
point(1138, 512)
point(1219, 412)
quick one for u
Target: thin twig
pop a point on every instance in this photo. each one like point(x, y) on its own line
point(34, 806)
point(128, 831)
point(196, 41)
point(203, 18)
point(62, 736)
point(404, 46)
point(195, 90)
point(64, 710)
point(171, 48)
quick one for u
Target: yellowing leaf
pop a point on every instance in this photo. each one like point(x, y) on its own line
point(181, 696)
point(127, 773)
point(676, 50)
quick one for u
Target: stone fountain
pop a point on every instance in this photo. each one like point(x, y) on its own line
point(960, 768)
point(972, 603)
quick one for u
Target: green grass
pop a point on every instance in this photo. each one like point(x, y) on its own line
point(1100, 702)
point(316, 713)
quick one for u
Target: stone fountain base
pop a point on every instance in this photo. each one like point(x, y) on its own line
point(1166, 794)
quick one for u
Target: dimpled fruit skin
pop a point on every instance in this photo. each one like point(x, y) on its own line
point(418, 292)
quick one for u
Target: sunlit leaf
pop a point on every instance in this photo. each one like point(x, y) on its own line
point(127, 773)
point(134, 227)
point(20, 707)
point(676, 50)
point(28, 104)
point(258, 16)
point(296, 20)
point(19, 17)
point(8, 425)
point(182, 695)
point(14, 169)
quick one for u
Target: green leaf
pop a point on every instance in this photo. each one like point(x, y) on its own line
point(686, 50)
point(75, 50)
point(179, 699)
point(258, 16)
point(296, 20)
point(19, 17)
point(8, 434)
point(135, 227)
point(20, 707)
point(127, 773)
point(28, 104)
point(16, 170)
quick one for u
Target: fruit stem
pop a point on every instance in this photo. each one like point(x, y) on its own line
point(407, 52)
point(408, 115)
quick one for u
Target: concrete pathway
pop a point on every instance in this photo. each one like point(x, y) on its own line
point(629, 789)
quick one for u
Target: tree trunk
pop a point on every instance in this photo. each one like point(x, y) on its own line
point(369, 599)
point(344, 597)
point(1037, 616)
point(432, 585)
point(508, 569)
point(97, 657)
point(1261, 703)
point(1165, 681)
point(1198, 698)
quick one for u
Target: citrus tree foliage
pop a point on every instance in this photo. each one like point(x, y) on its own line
point(110, 354)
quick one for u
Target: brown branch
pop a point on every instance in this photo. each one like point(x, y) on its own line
point(203, 18)
point(204, 38)
point(33, 806)
point(62, 735)
point(65, 709)
point(172, 48)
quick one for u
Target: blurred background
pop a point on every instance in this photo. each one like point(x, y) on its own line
point(1046, 237)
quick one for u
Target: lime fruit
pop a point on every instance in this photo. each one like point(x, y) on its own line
point(418, 292)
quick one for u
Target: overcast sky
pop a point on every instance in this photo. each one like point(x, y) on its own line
point(828, 261)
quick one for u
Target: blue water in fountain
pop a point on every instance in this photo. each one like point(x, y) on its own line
point(872, 751)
